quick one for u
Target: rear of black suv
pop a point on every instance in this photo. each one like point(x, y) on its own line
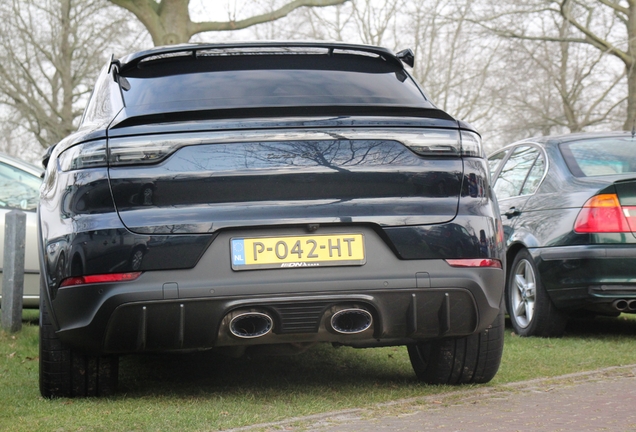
point(267, 197)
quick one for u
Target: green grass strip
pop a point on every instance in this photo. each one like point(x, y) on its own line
point(204, 391)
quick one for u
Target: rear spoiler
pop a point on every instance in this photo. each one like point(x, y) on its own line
point(287, 112)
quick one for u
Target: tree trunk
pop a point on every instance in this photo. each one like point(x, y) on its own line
point(66, 74)
point(167, 21)
point(630, 121)
point(171, 24)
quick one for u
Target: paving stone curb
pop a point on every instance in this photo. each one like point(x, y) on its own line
point(461, 396)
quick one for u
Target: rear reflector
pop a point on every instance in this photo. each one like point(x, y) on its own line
point(102, 278)
point(602, 214)
point(474, 262)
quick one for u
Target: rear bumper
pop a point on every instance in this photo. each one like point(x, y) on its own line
point(410, 300)
point(588, 276)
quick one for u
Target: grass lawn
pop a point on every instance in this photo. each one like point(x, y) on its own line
point(207, 392)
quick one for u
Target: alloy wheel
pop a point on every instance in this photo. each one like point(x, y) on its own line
point(523, 293)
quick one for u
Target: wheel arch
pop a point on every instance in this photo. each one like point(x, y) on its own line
point(511, 253)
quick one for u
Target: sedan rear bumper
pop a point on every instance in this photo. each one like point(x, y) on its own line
point(589, 277)
point(585, 252)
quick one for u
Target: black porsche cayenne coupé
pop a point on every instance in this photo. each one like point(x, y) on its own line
point(242, 196)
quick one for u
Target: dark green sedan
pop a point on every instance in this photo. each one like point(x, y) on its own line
point(568, 205)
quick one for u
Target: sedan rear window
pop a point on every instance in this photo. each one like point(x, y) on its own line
point(600, 157)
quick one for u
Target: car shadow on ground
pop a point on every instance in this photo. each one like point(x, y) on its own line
point(322, 369)
point(601, 326)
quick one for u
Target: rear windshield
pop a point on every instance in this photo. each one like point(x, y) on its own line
point(257, 81)
point(601, 156)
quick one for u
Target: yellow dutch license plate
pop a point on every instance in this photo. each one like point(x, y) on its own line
point(297, 251)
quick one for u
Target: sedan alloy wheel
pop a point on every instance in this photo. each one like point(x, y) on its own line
point(532, 313)
point(522, 295)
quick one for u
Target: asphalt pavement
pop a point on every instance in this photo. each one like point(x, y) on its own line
point(601, 400)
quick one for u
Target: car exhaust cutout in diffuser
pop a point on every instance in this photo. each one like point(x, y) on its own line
point(351, 321)
point(250, 325)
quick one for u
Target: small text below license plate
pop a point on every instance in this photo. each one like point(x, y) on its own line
point(297, 251)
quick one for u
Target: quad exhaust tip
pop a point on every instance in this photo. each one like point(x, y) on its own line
point(250, 325)
point(620, 305)
point(623, 305)
point(351, 321)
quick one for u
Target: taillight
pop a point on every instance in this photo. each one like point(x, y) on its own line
point(100, 278)
point(474, 262)
point(151, 149)
point(85, 155)
point(630, 215)
point(602, 214)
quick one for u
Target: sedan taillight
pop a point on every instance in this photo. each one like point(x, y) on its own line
point(630, 215)
point(602, 214)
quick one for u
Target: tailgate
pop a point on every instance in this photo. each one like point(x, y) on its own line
point(204, 186)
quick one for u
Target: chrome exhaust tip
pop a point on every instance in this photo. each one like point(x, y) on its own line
point(620, 305)
point(631, 305)
point(250, 325)
point(351, 321)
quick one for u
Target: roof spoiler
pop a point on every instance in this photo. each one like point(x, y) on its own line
point(406, 56)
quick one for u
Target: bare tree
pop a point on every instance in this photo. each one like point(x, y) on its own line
point(586, 79)
point(565, 88)
point(169, 22)
point(16, 141)
point(335, 27)
point(458, 67)
point(298, 25)
point(454, 62)
point(373, 20)
point(361, 21)
point(51, 52)
point(590, 18)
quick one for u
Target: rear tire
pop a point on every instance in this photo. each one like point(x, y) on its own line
point(473, 359)
point(67, 373)
point(531, 310)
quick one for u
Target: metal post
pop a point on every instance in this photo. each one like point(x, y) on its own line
point(13, 270)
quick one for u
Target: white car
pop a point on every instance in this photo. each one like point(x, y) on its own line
point(19, 190)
